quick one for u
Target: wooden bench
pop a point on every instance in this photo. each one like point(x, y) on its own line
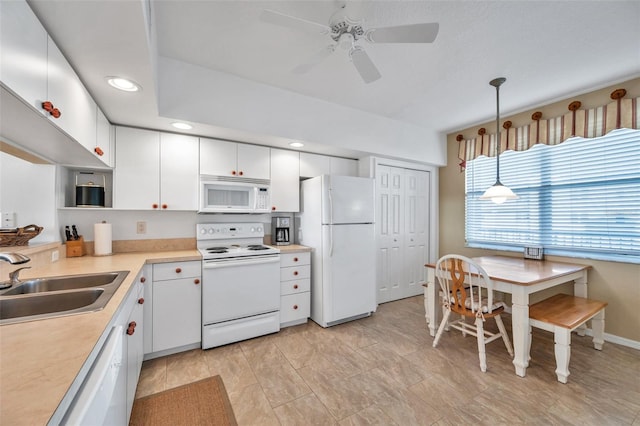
point(562, 314)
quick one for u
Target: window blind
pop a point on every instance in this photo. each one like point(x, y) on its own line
point(580, 198)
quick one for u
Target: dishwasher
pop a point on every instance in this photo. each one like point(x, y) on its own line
point(97, 402)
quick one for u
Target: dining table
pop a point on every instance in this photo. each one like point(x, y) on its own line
point(520, 278)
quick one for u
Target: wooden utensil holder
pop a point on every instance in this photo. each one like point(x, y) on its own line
point(75, 248)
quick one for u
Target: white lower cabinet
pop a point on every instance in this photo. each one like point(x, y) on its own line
point(295, 288)
point(176, 305)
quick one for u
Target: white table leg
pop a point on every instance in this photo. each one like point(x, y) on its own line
point(520, 330)
point(580, 290)
point(562, 348)
point(597, 327)
point(430, 299)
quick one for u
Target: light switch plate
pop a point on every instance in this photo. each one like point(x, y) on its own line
point(536, 253)
point(8, 220)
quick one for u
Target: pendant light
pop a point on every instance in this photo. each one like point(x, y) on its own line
point(498, 193)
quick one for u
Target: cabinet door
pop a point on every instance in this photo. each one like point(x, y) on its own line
point(135, 347)
point(344, 166)
point(67, 93)
point(136, 183)
point(147, 283)
point(218, 158)
point(23, 52)
point(176, 313)
point(312, 165)
point(178, 172)
point(104, 138)
point(285, 181)
point(253, 161)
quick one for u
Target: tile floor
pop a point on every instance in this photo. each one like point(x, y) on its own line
point(383, 370)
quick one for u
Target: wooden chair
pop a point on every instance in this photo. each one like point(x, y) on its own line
point(561, 314)
point(467, 290)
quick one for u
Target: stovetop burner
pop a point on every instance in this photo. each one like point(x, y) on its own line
point(257, 247)
point(217, 248)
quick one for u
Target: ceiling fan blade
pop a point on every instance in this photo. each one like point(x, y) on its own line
point(364, 65)
point(314, 60)
point(412, 33)
point(277, 18)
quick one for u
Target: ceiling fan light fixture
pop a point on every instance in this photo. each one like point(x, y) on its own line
point(123, 84)
point(498, 193)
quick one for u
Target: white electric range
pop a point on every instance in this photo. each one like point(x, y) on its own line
point(240, 283)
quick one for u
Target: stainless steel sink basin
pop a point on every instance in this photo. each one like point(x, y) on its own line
point(71, 282)
point(50, 297)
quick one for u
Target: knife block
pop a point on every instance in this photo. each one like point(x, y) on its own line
point(75, 248)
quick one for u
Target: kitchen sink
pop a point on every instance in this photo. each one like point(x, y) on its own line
point(72, 282)
point(50, 297)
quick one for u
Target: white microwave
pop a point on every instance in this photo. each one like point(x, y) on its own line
point(232, 195)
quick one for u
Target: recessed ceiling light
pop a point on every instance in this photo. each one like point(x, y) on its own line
point(123, 84)
point(296, 144)
point(182, 126)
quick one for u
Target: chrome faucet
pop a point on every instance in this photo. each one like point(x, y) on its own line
point(14, 259)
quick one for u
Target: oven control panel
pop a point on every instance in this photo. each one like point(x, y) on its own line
point(228, 230)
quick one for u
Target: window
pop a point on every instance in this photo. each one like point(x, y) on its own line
point(579, 199)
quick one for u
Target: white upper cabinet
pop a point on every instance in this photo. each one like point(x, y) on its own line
point(155, 171)
point(105, 135)
point(136, 178)
point(68, 95)
point(178, 172)
point(32, 66)
point(344, 166)
point(312, 165)
point(23, 53)
point(222, 158)
point(285, 181)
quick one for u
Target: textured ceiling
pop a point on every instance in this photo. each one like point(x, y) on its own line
point(546, 50)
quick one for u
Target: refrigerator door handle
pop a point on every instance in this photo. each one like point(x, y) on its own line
point(331, 222)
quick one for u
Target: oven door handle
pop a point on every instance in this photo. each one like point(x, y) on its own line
point(230, 263)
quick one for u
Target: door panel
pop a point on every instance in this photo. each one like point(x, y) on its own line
point(349, 271)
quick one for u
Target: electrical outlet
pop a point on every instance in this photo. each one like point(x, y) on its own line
point(55, 255)
point(141, 227)
point(8, 220)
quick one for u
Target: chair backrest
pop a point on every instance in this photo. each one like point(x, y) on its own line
point(461, 282)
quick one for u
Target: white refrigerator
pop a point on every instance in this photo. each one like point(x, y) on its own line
point(337, 222)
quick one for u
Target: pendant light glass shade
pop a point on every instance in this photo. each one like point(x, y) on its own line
point(498, 193)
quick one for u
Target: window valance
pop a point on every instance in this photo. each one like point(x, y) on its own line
point(586, 123)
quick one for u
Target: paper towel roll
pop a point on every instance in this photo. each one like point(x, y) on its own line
point(102, 239)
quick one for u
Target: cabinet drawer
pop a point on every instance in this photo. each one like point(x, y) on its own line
point(295, 272)
point(174, 270)
point(293, 259)
point(295, 286)
point(294, 307)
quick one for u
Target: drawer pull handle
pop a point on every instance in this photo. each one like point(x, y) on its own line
point(295, 272)
point(178, 270)
point(295, 259)
point(295, 286)
point(143, 279)
point(295, 307)
point(196, 281)
point(141, 300)
point(132, 328)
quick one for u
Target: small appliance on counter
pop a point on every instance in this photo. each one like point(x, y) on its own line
point(280, 231)
point(89, 193)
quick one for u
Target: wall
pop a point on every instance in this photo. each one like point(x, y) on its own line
point(617, 283)
point(29, 191)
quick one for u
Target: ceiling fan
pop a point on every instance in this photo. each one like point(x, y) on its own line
point(346, 32)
